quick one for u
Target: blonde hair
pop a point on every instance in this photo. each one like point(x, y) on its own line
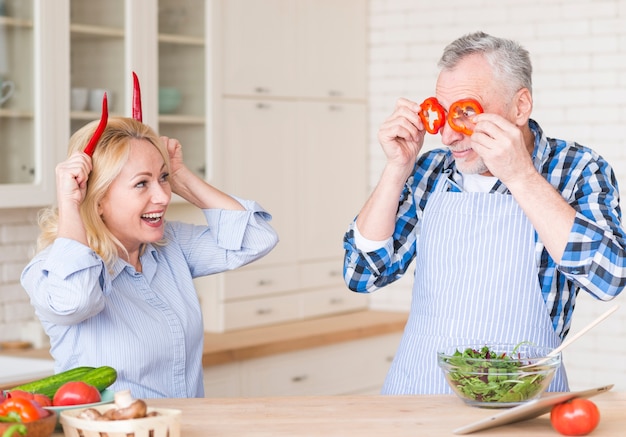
point(109, 157)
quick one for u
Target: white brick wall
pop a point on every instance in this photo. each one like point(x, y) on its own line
point(578, 49)
point(18, 232)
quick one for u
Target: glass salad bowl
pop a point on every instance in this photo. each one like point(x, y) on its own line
point(498, 375)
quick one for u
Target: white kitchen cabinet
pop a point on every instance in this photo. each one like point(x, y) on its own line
point(163, 41)
point(32, 118)
point(353, 367)
point(258, 47)
point(183, 77)
point(332, 162)
point(290, 119)
point(312, 48)
point(331, 56)
point(50, 49)
point(260, 141)
point(223, 381)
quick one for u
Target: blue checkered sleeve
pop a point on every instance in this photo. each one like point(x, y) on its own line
point(367, 272)
point(594, 257)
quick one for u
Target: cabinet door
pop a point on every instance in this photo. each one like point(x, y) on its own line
point(338, 369)
point(222, 381)
point(97, 59)
point(33, 53)
point(332, 46)
point(259, 149)
point(258, 47)
point(182, 89)
point(332, 178)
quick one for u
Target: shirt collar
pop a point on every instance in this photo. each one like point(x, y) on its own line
point(541, 151)
point(149, 260)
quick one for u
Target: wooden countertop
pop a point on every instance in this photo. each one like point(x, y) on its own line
point(363, 416)
point(220, 348)
point(245, 344)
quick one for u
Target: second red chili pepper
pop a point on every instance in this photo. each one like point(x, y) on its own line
point(91, 146)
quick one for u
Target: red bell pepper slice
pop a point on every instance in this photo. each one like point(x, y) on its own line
point(91, 146)
point(432, 115)
point(137, 115)
point(460, 114)
point(27, 409)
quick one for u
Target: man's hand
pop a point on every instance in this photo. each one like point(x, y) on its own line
point(503, 148)
point(402, 135)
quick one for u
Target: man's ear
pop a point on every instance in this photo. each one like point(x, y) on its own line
point(523, 106)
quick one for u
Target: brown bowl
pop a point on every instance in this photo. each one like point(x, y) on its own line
point(39, 428)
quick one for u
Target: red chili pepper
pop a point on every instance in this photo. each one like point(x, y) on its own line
point(432, 114)
point(91, 146)
point(137, 115)
point(460, 114)
point(27, 409)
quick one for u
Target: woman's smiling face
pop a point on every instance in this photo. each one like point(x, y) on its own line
point(134, 207)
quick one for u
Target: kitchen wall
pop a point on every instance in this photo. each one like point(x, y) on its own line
point(18, 231)
point(578, 49)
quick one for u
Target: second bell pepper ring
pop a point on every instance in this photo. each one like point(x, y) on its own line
point(432, 115)
point(460, 114)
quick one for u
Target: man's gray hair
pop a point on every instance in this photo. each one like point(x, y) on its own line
point(508, 59)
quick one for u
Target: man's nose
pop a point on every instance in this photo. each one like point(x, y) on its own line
point(449, 135)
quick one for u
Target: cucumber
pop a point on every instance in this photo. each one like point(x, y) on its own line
point(100, 377)
point(49, 385)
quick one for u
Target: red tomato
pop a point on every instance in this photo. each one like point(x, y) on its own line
point(20, 394)
point(42, 400)
point(575, 417)
point(75, 393)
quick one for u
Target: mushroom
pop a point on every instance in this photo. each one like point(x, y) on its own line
point(92, 414)
point(127, 407)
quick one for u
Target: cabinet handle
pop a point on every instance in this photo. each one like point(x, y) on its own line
point(336, 301)
point(335, 93)
point(335, 108)
point(299, 378)
point(262, 106)
point(263, 311)
point(334, 273)
point(261, 90)
point(264, 282)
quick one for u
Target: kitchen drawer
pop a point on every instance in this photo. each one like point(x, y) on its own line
point(342, 368)
point(222, 381)
point(262, 311)
point(322, 273)
point(249, 282)
point(332, 300)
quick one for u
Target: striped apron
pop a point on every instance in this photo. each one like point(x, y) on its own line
point(475, 282)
